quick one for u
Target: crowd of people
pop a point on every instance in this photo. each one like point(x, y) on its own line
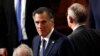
point(27, 29)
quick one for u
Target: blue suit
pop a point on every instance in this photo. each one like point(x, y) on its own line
point(94, 13)
point(57, 46)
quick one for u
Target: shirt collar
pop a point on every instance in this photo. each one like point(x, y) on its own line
point(48, 36)
point(77, 25)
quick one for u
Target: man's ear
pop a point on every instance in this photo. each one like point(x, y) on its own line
point(71, 19)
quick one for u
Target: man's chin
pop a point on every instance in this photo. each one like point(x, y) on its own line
point(41, 34)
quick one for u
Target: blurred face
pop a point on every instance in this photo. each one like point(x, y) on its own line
point(43, 24)
point(19, 52)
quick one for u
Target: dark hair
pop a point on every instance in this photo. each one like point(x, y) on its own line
point(44, 9)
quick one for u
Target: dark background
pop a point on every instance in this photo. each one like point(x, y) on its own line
point(59, 8)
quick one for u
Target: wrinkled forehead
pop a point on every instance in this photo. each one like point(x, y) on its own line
point(41, 16)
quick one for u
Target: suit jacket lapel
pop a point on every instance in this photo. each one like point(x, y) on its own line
point(51, 43)
point(49, 47)
point(37, 46)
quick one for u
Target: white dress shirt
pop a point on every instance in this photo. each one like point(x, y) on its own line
point(23, 6)
point(46, 38)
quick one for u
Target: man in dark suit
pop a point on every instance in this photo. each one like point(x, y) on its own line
point(86, 41)
point(55, 43)
point(8, 23)
point(94, 14)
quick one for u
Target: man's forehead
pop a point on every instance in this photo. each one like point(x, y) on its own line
point(41, 14)
point(41, 17)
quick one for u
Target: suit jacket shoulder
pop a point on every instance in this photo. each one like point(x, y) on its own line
point(62, 45)
point(57, 45)
point(86, 41)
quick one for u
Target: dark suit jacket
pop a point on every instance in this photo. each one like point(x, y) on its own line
point(8, 25)
point(86, 41)
point(94, 8)
point(57, 46)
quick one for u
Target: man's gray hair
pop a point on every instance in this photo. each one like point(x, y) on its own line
point(25, 49)
point(79, 12)
point(42, 10)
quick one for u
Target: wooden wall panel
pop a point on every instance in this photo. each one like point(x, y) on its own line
point(60, 8)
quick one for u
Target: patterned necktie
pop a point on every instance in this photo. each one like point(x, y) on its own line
point(18, 15)
point(42, 51)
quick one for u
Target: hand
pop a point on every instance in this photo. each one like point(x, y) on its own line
point(3, 52)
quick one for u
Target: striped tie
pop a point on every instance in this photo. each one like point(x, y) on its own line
point(42, 51)
point(18, 15)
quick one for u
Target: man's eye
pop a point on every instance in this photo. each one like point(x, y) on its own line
point(36, 22)
point(43, 22)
